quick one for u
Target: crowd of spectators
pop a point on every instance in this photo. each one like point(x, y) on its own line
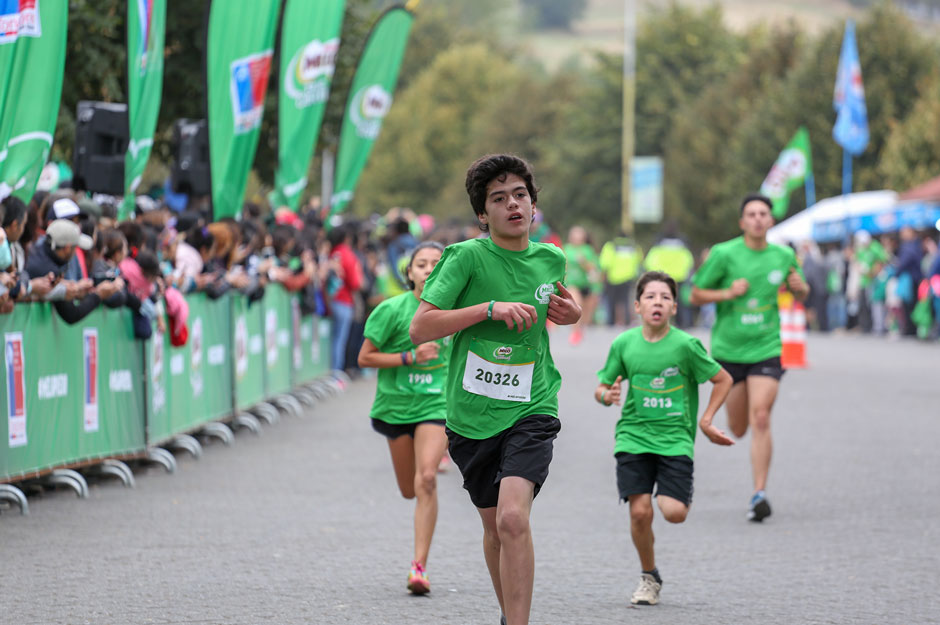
point(886, 285)
point(70, 250)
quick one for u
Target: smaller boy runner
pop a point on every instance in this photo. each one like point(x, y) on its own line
point(655, 435)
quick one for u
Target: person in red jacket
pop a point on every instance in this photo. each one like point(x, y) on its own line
point(344, 278)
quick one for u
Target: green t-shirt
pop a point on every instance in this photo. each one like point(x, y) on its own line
point(582, 263)
point(661, 406)
point(497, 375)
point(867, 257)
point(747, 328)
point(410, 393)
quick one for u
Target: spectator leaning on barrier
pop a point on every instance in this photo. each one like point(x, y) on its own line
point(14, 224)
point(192, 253)
point(53, 254)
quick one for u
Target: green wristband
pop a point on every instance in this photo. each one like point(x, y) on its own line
point(489, 311)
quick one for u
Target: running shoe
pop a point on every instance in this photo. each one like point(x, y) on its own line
point(760, 507)
point(647, 593)
point(418, 582)
point(444, 465)
point(576, 337)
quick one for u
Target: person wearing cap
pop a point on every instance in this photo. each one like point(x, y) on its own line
point(65, 208)
point(54, 254)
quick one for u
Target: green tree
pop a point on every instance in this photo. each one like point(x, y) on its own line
point(95, 64)
point(420, 154)
point(700, 185)
point(679, 52)
point(581, 163)
point(911, 155)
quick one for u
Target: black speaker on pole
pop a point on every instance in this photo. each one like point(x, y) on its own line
point(101, 135)
point(190, 172)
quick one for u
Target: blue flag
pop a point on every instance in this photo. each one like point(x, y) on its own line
point(851, 128)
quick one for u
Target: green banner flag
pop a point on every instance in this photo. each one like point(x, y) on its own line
point(238, 61)
point(309, 42)
point(370, 98)
point(146, 28)
point(32, 58)
point(792, 168)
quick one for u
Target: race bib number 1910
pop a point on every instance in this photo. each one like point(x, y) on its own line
point(499, 371)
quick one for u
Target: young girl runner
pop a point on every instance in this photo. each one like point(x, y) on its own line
point(656, 431)
point(410, 407)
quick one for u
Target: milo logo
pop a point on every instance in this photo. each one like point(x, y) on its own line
point(542, 293)
point(671, 371)
point(502, 353)
point(658, 383)
point(775, 277)
point(369, 107)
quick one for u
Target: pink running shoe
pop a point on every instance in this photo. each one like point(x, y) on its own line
point(418, 582)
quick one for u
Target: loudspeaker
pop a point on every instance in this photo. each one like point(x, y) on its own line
point(190, 172)
point(101, 135)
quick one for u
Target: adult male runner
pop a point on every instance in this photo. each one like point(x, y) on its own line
point(494, 295)
point(743, 276)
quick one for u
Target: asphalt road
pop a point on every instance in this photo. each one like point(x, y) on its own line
point(304, 524)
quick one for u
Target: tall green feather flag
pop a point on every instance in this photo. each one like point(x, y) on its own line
point(238, 62)
point(146, 30)
point(370, 98)
point(792, 168)
point(32, 62)
point(309, 42)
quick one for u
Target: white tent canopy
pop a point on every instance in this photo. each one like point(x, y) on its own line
point(800, 227)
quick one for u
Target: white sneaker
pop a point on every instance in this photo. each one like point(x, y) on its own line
point(647, 593)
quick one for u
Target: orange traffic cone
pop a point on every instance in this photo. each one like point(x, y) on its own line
point(792, 332)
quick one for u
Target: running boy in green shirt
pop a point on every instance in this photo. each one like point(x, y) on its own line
point(494, 295)
point(655, 435)
point(743, 276)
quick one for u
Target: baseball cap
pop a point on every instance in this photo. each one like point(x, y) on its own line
point(89, 207)
point(64, 208)
point(65, 232)
point(145, 204)
point(862, 237)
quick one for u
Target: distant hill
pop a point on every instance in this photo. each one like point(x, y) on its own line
point(601, 28)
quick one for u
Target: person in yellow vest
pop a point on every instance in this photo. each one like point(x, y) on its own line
point(672, 256)
point(620, 260)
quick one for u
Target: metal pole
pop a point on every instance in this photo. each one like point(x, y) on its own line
point(327, 169)
point(846, 172)
point(809, 186)
point(629, 100)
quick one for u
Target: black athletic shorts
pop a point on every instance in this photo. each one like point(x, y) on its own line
point(672, 475)
point(524, 450)
point(742, 370)
point(394, 430)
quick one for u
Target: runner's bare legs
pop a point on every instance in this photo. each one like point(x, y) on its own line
point(508, 549)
